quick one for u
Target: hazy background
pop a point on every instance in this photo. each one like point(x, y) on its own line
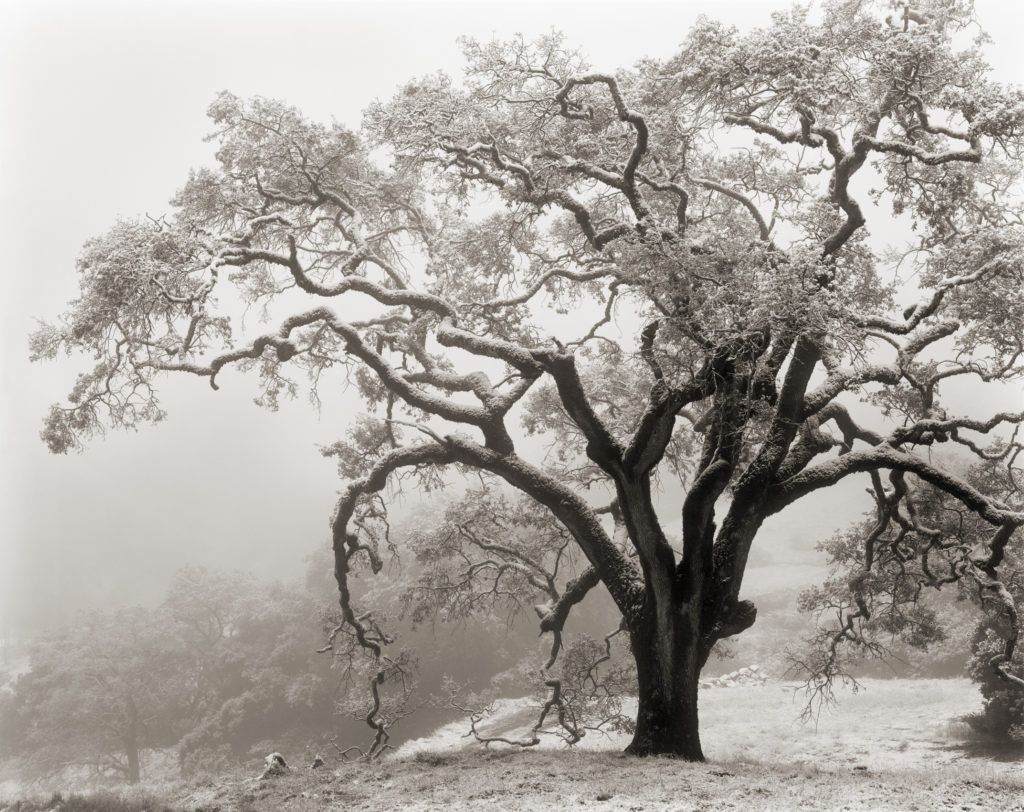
point(102, 113)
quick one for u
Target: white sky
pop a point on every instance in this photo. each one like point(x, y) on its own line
point(102, 113)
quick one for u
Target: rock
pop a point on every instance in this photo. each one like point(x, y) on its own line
point(275, 766)
point(318, 762)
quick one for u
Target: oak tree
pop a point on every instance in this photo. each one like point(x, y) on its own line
point(746, 344)
point(99, 695)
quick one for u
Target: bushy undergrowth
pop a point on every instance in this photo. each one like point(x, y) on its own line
point(92, 802)
point(1002, 716)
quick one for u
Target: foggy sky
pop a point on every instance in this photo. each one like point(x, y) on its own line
point(102, 113)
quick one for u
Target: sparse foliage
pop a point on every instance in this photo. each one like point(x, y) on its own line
point(886, 569)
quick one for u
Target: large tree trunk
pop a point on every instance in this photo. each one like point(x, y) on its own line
point(668, 667)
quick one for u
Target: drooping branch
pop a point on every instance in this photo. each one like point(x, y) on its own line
point(1003, 661)
point(347, 545)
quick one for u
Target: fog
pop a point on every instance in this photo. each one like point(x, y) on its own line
point(103, 110)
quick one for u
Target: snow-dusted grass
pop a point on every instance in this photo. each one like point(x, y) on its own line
point(511, 719)
point(885, 724)
point(895, 745)
point(535, 780)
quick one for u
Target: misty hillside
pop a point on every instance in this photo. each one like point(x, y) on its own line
point(893, 745)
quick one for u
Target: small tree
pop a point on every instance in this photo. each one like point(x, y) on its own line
point(449, 250)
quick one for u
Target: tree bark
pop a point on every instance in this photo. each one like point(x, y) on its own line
point(665, 647)
point(133, 765)
point(131, 744)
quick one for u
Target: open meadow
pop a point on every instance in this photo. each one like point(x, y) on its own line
point(894, 744)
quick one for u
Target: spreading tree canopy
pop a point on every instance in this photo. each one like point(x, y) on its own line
point(98, 695)
point(444, 257)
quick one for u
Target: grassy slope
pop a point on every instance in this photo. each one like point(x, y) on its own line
point(537, 780)
point(895, 745)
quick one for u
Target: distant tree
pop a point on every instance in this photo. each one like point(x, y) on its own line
point(98, 695)
point(248, 671)
point(208, 611)
point(714, 203)
point(226, 664)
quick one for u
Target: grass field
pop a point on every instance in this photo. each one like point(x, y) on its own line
point(884, 724)
point(896, 744)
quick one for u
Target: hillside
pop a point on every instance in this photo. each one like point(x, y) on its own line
point(896, 744)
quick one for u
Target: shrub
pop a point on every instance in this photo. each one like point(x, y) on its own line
point(93, 802)
point(1002, 716)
